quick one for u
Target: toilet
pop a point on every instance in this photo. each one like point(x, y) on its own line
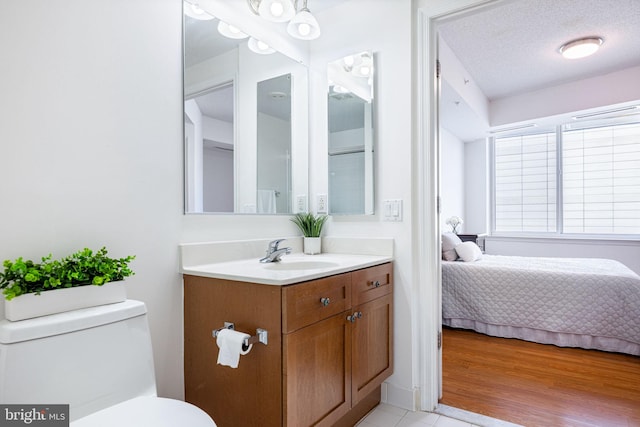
point(98, 360)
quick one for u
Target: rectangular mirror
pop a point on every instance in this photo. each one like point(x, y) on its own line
point(245, 122)
point(351, 125)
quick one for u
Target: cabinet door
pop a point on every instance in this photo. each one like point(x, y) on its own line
point(372, 352)
point(317, 373)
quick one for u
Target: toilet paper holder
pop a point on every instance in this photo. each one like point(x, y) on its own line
point(261, 336)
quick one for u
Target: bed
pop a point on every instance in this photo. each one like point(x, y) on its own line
point(568, 302)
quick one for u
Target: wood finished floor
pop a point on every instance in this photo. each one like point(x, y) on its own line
point(539, 385)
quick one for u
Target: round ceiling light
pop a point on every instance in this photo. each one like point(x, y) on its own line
point(581, 47)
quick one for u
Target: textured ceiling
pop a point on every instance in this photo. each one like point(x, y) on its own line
point(512, 46)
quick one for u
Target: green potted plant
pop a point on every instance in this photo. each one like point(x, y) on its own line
point(27, 285)
point(311, 227)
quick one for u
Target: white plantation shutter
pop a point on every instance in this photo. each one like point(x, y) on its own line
point(525, 183)
point(601, 180)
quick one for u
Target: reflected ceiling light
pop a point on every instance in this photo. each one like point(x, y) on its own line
point(194, 11)
point(606, 112)
point(304, 25)
point(230, 31)
point(260, 47)
point(364, 66)
point(581, 47)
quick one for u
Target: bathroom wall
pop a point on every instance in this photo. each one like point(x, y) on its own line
point(91, 151)
point(90, 145)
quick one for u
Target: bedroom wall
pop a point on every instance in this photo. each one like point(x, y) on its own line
point(452, 179)
point(476, 187)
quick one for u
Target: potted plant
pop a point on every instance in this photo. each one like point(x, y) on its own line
point(27, 286)
point(311, 227)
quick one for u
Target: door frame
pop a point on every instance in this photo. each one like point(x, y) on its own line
point(426, 247)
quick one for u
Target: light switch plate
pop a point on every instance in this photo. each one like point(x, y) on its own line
point(321, 204)
point(301, 203)
point(392, 210)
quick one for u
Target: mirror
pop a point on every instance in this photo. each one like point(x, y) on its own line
point(245, 124)
point(350, 110)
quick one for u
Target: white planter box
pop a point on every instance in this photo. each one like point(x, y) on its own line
point(66, 299)
point(312, 245)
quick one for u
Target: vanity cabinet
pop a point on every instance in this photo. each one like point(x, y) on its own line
point(329, 348)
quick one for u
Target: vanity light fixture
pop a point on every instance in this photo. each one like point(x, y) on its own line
point(273, 10)
point(194, 11)
point(581, 48)
point(230, 31)
point(259, 46)
point(304, 25)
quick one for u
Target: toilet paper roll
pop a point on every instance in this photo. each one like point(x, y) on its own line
point(230, 345)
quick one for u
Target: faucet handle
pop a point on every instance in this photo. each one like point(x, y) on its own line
point(273, 245)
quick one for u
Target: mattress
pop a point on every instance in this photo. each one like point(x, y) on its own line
point(574, 302)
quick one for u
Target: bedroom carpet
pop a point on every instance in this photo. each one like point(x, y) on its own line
point(539, 385)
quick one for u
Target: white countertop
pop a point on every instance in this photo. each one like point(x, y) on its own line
point(293, 268)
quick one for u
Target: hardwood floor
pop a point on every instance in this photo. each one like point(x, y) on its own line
point(539, 385)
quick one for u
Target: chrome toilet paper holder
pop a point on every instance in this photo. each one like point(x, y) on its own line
point(261, 336)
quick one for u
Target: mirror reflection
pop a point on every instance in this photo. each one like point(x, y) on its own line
point(274, 145)
point(245, 124)
point(350, 109)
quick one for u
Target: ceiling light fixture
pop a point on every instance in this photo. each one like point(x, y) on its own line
point(194, 11)
point(581, 48)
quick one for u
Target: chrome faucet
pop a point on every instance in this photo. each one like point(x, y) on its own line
point(274, 252)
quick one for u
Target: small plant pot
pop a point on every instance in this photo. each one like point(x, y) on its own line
point(312, 245)
point(27, 306)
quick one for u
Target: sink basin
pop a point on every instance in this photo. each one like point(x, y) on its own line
point(300, 265)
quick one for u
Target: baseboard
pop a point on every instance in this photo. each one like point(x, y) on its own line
point(400, 397)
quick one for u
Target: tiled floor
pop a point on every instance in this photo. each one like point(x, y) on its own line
point(391, 416)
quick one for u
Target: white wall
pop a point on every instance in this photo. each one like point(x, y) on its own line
point(90, 145)
point(476, 187)
point(452, 180)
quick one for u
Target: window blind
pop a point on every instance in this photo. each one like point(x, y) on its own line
point(525, 183)
point(601, 180)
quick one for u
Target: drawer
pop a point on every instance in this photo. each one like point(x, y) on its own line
point(371, 283)
point(306, 303)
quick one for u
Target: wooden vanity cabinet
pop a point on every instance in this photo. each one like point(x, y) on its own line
point(333, 345)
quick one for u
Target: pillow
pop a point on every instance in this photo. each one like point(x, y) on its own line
point(449, 243)
point(468, 251)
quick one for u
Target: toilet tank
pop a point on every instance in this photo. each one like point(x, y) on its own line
point(90, 358)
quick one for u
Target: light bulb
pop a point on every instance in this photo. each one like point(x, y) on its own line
point(276, 9)
point(365, 70)
point(234, 30)
point(348, 61)
point(304, 29)
point(262, 45)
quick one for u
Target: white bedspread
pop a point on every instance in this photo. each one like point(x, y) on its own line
point(577, 302)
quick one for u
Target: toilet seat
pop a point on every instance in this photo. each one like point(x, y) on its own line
point(147, 411)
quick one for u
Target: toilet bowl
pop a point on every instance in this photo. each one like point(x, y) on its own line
point(97, 360)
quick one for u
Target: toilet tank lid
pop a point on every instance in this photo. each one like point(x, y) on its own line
point(70, 321)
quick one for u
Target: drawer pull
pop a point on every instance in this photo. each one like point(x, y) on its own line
point(325, 301)
point(355, 316)
point(375, 284)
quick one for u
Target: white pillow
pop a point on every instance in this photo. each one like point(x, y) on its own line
point(449, 243)
point(468, 251)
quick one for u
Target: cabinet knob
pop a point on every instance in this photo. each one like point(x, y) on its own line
point(375, 284)
point(355, 316)
point(325, 301)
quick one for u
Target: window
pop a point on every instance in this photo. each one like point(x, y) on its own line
point(571, 181)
